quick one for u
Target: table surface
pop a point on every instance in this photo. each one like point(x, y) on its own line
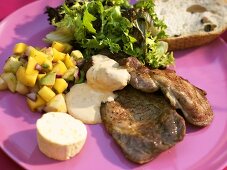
point(7, 8)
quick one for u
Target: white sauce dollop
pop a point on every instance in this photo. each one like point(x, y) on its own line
point(105, 76)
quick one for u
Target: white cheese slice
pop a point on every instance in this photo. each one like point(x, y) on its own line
point(60, 136)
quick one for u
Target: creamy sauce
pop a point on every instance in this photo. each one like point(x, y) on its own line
point(105, 76)
point(84, 103)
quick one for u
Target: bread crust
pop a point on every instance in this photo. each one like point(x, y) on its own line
point(193, 40)
point(191, 25)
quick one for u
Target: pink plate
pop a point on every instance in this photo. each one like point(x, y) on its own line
point(204, 148)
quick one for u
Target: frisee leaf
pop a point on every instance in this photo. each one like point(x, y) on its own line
point(87, 21)
point(115, 25)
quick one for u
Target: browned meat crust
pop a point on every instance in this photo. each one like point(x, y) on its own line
point(142, 124)
point(180, 92)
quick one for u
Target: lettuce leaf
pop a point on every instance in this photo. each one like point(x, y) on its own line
point(115, 25)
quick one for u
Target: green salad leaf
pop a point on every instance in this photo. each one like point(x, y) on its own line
point(94, 25)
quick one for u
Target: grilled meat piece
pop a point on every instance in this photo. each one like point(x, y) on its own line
point(181, 93)
point(142, 124)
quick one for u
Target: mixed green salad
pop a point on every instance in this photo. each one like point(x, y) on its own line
point(115, 25)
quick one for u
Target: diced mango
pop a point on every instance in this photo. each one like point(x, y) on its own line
point(58, 55)
point(56, 104)
point(10, 80)
point(3, 85)
point(69, 61)
point(21, 88)
point(39, 56)
point(60, 85)
point(46, 93)
point(26, 79)
point(33, 105)
point(62, 47)
point(58, 46)
point(19, 48)
point(59, 68)
point(30, 69)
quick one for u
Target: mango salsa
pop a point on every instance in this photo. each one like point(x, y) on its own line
point(3, 85)
point(39, 56)
point(30, 69)
point(33, 105)
point(10, 80)
point(60, 85)
point(41, 74)
point(58, 55)
point(69, 61)
point(46, 93)
point(56, 104)
point(12, 64)
point(62, 47)
point(60, 68)
point(19, 48)
point(26, 79)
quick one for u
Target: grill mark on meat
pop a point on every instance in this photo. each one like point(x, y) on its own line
point(180, 92)
point(142, 124)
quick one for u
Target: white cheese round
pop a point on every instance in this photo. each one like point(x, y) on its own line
point(60, 136)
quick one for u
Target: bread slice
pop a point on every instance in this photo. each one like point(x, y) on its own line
point(192, 23)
